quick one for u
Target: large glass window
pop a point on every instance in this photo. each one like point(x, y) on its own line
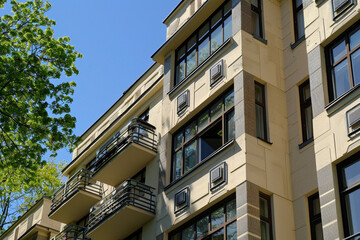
point(343, 58)
point(265, 217)
point(203, 42)
point(260, 111)
point(349, 185)
point(306, 111)
point(298, 19)
point(315, 217)
point(203, 135)
point(256, 18)
point(217, 223)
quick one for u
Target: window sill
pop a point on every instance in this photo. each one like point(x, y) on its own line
point(219, 150)
point(202, 65)
point(304, 144)
point(265, 141)
point(297, 42)
point(263, 40)
point(341, 101)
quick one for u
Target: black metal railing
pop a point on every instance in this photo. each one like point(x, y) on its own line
point(138, 131)
point(129, 193)
point(81, 180)
point(72, 232)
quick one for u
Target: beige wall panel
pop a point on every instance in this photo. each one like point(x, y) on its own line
point(283, 218)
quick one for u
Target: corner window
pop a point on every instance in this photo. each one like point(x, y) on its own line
point(349, 186)
point(343, 57)
point(203, 135)
point(203, 42)
point(256, 18)
point(298, 14)
point(260, 110)
point(315, 217)
point(145, 115)
point(219, 222)
point(265, 217)
point(306, 111)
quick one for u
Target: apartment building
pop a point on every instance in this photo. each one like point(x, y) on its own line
point(245, 127)
point(34, 224)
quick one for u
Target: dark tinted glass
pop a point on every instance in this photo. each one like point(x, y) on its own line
point(211, 140)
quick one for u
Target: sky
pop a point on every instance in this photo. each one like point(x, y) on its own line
point(117, 39)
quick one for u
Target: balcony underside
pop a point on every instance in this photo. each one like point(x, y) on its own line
point(121, 224)
point(125, 164)
point(77, 206)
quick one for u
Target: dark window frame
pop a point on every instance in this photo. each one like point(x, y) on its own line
point(330, 65)
point(199, 41)
point(263, 106)
point(269, 219)
point(314, 219)
point(259, 11)
point(296, 10)
point(223, 118)
point(145, 115)
point(346, 190)
point(208, 212)
point(137, 235)
point(305, 103)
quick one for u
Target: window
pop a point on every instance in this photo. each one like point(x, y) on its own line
point(145, 115)
point(203, 42)
point(306, 111)
point(203, 135)
point(135, 236)
point(298, 14)
point(260, 109)
point(265, 217)
point(349, 186)
point(343, 56)
point(256, 18)
point(315, 217)
point(217, 223)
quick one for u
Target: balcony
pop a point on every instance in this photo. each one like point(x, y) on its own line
point(71, 232)
point(75, 198)
point(126, 154)
point(122, 212)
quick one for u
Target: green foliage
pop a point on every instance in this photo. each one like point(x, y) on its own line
point(34, 106)
point(21, 187)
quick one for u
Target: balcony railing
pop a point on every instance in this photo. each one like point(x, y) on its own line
point(81, 180)
point(129, 193)
point(72, 232)
point(138, 131)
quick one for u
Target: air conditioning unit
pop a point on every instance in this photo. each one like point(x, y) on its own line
point(338, 4)
point(180, 198)
point(354, 117)
point(183, 101)
point(216, 72)
point(217, 174)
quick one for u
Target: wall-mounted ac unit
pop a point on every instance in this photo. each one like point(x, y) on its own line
point(216, 72)
point(183, 101)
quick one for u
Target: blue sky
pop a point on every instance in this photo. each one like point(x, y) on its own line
point(117, 39)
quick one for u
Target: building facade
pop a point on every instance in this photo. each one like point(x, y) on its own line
point(245, 127)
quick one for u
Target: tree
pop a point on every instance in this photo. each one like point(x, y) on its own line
point(20, 191)
point(34, 104)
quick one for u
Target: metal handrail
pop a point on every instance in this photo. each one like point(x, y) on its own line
point(138, 131)
point(81, 180)
point(72, 232)
point(129, 193)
